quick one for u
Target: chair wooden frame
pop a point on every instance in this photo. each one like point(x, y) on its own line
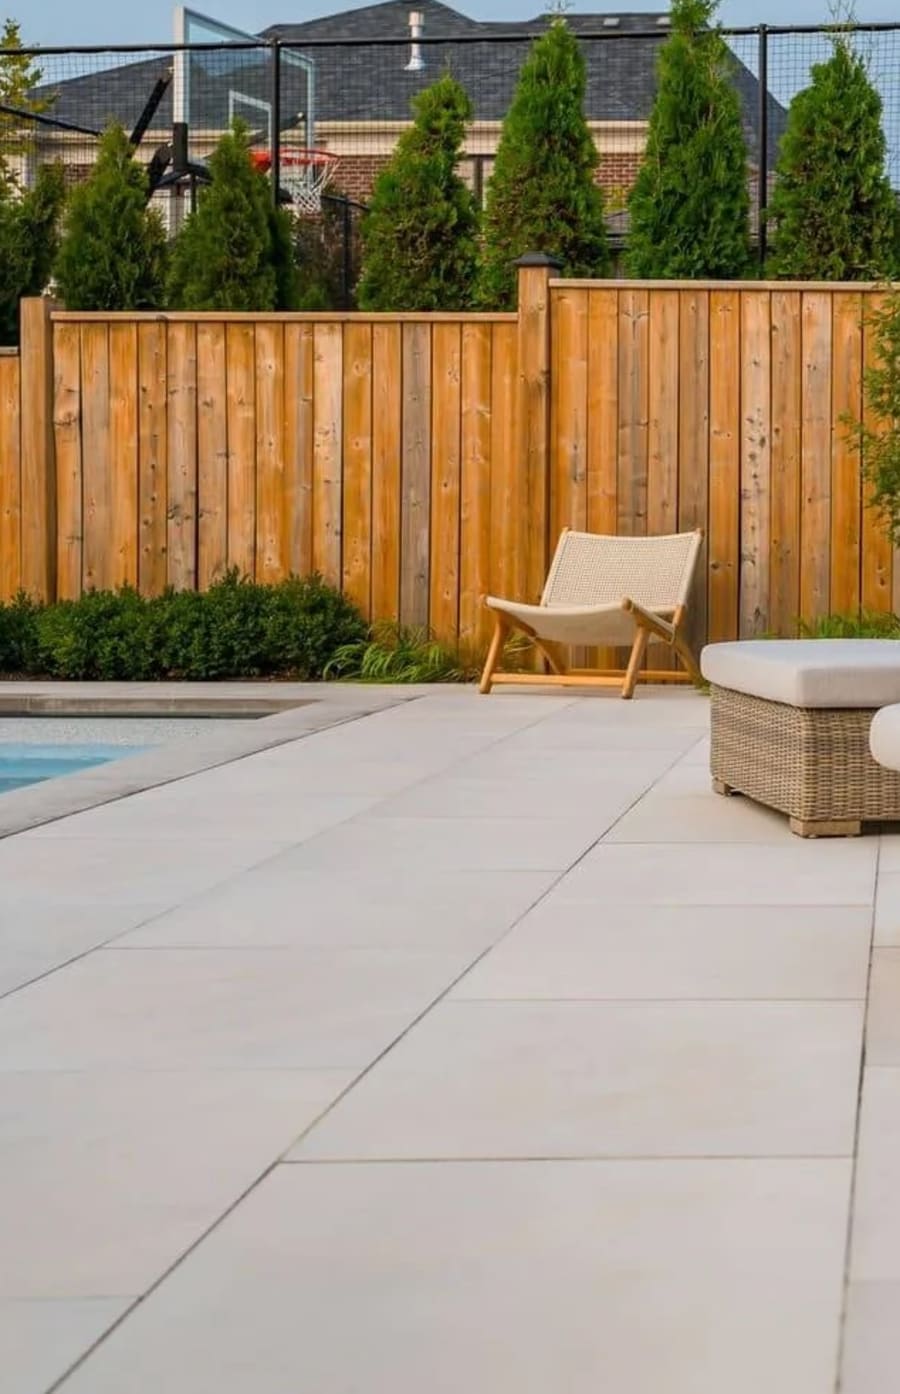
point(667, 626)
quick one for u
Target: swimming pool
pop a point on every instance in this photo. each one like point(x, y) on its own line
point(22, 764)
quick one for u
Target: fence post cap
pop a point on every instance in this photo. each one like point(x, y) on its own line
point(538, 259)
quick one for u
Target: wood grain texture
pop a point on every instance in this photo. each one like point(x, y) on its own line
point(603, 410)
point(36, 452)
point(756, 388)
point(298, 447)
point(693, 446)
point(846, 486)
point(67, 440)
point(784, 517)
point(475, 501)
point(724, 463)
point(415, 498)
point(357, 492)
point(328, 444)
point(533, 417)
point(212, 454)
point(446, 439)
point(387, 379)
point(877, 553)
point(271, 530)
point(123, 452)
point(506, 529)
point(182, 456)
point(10, 478)
point(815, 455)
point(570, 327)
point(664, 357)
point(240, 350)
point(634, 325)
point(97, 566)
point(153, 440)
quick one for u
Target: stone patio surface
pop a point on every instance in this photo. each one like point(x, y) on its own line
point(449, 1045)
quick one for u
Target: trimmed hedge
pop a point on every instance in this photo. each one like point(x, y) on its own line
point(236, 629)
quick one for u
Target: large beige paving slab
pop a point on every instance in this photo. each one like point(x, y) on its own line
point(687, 1278)
point(887, 908)
point(221, 1008)
point(682, 807)
point(578, 1079)
point(106, 1178)
point(590, 763)
point(37, 938)
point(597, 805)
point(591, 950)
point(883, 1023)
point(567, 735)
point(275, 908)
point(875, 1247)
point(82, 871)
point(871, 1355)
point(413, 846)
point(801, 872)
point(40, 1340)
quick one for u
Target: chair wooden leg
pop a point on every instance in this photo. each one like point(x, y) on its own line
point(552, 655)
point(638, 649)
point(501, 631)
point(685, 653)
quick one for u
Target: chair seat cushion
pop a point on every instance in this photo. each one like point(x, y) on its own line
point(884, 737)
point(824, 673)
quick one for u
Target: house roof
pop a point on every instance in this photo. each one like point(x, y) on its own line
point(360, 83)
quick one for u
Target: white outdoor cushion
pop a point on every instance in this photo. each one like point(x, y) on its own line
point(808, 672)
point(884, 737)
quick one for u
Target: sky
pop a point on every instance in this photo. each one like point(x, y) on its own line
point(53, 22)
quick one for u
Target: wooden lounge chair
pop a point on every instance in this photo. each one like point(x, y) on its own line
point(606, 591)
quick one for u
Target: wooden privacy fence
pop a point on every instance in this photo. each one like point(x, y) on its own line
point(422, 460)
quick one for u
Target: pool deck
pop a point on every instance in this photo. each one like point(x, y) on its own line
point(447, 1045)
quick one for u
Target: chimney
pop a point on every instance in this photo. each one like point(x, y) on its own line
point(416, 25)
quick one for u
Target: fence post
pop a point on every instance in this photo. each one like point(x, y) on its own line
point(38, 456)
point(533, 410)
point(275, 98)
point(762, 143)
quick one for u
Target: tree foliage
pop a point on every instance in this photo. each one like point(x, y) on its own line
point(19, 78)
point(419, 236)
point(690, 203)
point(29, 236)
point(834, 214)
point(236, 251)
point(113, 250)
point(543, 195)
point(878, 435)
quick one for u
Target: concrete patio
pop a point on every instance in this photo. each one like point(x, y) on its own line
point(450, 1044)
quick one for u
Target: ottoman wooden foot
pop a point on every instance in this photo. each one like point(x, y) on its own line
point(839, 827)
point(720, 787)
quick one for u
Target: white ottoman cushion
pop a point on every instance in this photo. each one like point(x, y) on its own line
point(884, 737)
point(808, 672)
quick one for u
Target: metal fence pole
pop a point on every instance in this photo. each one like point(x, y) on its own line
point(762, 177)
point(275, 150)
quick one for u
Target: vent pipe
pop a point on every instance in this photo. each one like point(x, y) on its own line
point(416, 25)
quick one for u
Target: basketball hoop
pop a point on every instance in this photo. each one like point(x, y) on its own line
point(304, 173)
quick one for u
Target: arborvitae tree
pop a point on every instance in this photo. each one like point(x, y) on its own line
point(833, 212)
point(29, 237)
point(232, 253)
point(543, 195)
point(19, 77)
point(419, 236)
point(113, 250)
point(690, 203)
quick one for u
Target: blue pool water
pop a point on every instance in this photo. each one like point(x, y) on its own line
point(26, 763)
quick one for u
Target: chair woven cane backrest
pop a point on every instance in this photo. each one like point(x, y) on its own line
point(589, 569)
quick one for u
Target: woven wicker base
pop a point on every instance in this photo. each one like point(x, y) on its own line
point(812, 764)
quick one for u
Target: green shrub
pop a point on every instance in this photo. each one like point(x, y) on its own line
point(868, 624)
point(113, 250)
point(398, 653)
point(543, 195)
point(29, 238)
point(236, 629)
point(877, 436)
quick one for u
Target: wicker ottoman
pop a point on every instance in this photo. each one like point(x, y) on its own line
point(790, 728)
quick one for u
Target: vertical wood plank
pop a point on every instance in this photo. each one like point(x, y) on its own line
point(505, 526)
point(693, 446)
point(123, 446)
point(784, 543)
point(240, 352)
point(212, 454)
point(724, 462)
point(97, 499)
point(357, 499)
point(662, 411)
point(37, 460)
point(298, 446)
point(634, 323)
point(67, 431)
point(10, 480)
point(570, 326)
point(846, 491)
point(271, 535)
point(445, 483)
point(182, 455)
point(755, 462)
point(475, 505)
point(153, 439)
point(328, 425)
point(387, 377)
point(415, 507)
point(877, 553)
point(603, 410)
point(815, 454)
point(533, 415)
